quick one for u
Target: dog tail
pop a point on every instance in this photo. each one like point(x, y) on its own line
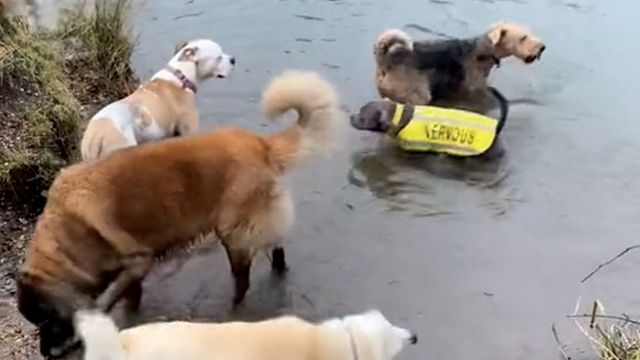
point(390, 43)
point(99, 334)
point(317, 130)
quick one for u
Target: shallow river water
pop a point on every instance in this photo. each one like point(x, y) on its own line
point(479, 261)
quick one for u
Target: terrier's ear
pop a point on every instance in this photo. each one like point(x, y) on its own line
point(497, 33)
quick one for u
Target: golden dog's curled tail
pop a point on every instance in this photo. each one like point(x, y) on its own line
point(319, 117)
point(100, 336)
point(392, 42)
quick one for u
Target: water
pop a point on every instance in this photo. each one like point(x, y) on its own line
point(480, 261)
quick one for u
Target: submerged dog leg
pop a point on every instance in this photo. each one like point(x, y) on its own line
point(240, 261)
point(278, 261)
point(135, 269)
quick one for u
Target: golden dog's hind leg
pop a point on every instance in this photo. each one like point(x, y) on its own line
point(240, 261)
point(278, 261)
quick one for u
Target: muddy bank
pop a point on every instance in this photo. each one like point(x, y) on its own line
point(18, 340)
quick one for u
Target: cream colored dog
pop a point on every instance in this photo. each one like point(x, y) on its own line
point(163, 107)
point(365, 336)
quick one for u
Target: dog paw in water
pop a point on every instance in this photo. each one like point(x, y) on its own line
point(278, 261)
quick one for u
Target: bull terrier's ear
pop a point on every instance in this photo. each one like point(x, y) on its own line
point(497, 33)
point(188, 53)
point(180, 46)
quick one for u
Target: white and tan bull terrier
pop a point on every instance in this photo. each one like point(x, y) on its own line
point(163, 107)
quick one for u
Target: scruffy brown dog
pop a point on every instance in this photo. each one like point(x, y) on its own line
point(106, 221)
point(444, 72)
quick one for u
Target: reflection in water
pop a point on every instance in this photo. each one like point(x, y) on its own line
point(412, 182)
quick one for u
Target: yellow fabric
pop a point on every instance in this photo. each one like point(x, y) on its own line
point(450, 131)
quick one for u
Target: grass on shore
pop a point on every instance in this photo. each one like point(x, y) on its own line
point(48, 80)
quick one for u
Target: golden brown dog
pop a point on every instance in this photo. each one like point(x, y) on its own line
point(443, 72)
point(365, 336)
point(105, 221)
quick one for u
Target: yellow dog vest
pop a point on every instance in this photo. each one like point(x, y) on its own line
point(451, 131)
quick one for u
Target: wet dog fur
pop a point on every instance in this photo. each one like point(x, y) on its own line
point(448, 72)
point(364, 336)
point(106, 221)
point(163, 107)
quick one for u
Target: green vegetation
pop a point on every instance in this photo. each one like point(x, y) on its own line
point(45, 77)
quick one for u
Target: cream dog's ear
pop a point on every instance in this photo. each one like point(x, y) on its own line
point(180, 46)
point(497, 32)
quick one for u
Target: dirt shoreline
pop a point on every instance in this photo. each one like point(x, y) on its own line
point(18, 339)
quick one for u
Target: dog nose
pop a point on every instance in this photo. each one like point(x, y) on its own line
point(413, 339)
point(233, 60)
point(543, 48)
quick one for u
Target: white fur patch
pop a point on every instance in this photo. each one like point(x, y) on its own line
point(123, 117)
point(100, 336)
point(127, 118)
point(151, 132)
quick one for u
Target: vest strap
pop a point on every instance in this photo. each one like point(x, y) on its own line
point(401, 118)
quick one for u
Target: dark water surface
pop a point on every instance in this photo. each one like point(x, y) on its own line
point(479, 260)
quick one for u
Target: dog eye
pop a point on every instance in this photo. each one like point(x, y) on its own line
point(523, 38)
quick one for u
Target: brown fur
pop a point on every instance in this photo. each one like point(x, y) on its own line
point(435, 72)
point(399, 84)
point(394, 78)
point(105, 221)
